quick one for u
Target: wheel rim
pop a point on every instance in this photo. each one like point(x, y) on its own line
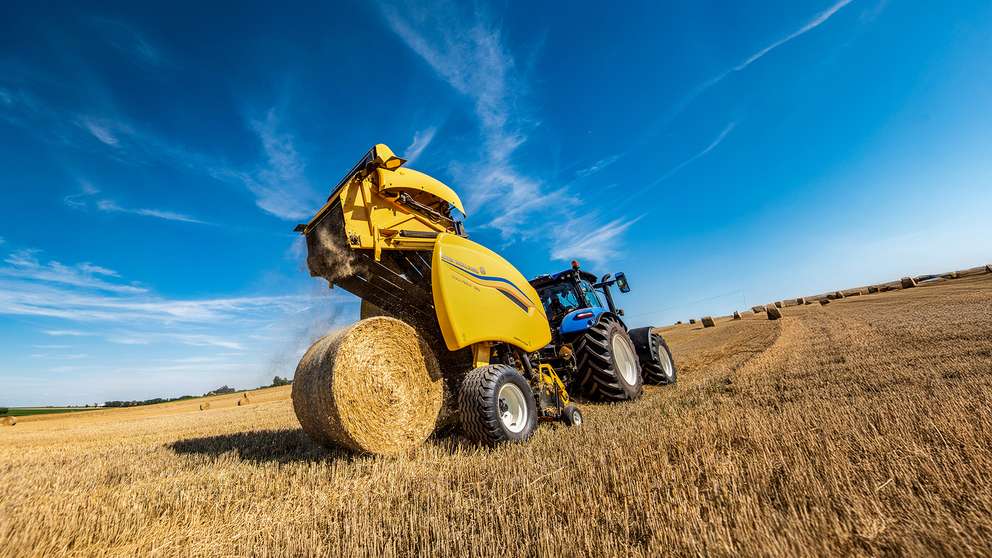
point(625, 359)
point(576, 418)
point(512, 408)
point(666, 363)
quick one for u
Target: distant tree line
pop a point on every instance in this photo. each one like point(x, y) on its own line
point(222, 390)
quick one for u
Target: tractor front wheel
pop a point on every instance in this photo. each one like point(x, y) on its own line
point(497, 405)
point(608, 367)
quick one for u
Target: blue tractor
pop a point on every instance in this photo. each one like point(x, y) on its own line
point(607, 361)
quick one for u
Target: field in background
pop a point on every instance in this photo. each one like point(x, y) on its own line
point(860, 427)
point(28, 411)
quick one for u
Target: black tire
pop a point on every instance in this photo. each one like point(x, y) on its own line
point(597, 365)
point(482, 408)
point(654, 361)
point(571, 416)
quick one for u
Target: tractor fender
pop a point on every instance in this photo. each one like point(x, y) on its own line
point(572, 324)
point(643, 343)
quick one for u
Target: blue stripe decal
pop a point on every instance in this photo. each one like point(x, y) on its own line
point(489, 278)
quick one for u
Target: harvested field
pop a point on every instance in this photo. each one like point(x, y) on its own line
point(862, 428)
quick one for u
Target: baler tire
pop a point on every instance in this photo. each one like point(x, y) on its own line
point(653, 369)
point(479, 405)
point(598, 378)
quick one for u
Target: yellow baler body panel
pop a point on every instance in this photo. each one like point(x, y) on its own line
point(480, 297)
point(409, 180)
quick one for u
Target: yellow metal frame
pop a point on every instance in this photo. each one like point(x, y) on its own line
point(547, 377)
point(374, 215)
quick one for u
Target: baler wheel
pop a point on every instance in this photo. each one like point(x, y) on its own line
point(497, 405)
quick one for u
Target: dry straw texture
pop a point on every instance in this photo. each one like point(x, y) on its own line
point(204, 406)
point(863, 431)
point(708, 321)
point(374, 387)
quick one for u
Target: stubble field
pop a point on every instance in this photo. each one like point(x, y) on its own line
point(863, 427)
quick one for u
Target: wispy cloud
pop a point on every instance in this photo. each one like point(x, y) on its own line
point(24, 265)
point(110, 206)
point(713, 145)
point(817, 21)
point(597, 246)
point(465, 49)
point(280, 185)
point(65, 333)
point(127, 39)
point(812, 24)
point(597, 166)
point(421, 139)
point(84, 200)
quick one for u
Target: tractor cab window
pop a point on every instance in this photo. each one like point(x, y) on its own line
point(559, 299)
point(590, 296)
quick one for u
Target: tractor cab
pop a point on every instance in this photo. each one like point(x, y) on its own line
point(577, 294)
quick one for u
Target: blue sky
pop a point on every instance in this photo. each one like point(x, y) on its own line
point(154, 160)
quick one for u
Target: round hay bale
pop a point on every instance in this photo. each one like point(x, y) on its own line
point(872, 289)
point(244, 400)
point(800, 301)
point(774, 313)
point(737, 315)
point(678, 322)
point(838, 295)
point(708, 321)
point(907, 282)
point(824, 301)
point(375, 387)
point(9, 421)
point(204, 406)
point(988, 269)
point(757, 309)
point(778, 304)
point(692, 320)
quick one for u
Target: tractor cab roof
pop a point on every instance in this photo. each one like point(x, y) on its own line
point(561, 276)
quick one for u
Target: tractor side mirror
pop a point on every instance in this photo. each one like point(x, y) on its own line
point(622, 284)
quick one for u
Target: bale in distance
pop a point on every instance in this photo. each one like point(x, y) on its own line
point(692, 320)
point(778, 304)
point(8, 421)
point(988, 269)
point(737, 315)
point(824, 301)
point(774, 313)
point(907, 282)
point(838, 295)
point(708, 321)
point(374, 387)
point(801, 301)
point(204, 406)
point(757, 309)
point(872, 289)
point(244, 400)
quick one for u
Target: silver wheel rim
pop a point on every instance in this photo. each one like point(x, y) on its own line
point(512, 408)
point(576, 418)
point(666, 363)
point(625, 359)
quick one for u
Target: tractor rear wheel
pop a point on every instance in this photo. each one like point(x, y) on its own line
point(658, 369)
point(497, 405)
point(608, 367)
